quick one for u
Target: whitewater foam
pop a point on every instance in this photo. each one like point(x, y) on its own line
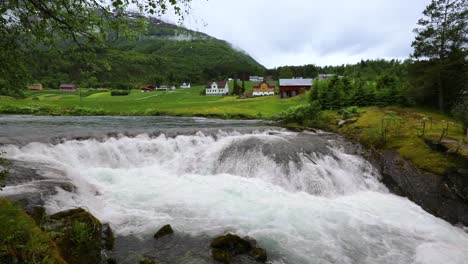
point(328, 207)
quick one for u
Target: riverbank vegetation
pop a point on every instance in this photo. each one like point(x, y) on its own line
point(22, 240)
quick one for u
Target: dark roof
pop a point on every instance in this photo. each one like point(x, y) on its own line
point(270, 84)
point(220, 84)
point(67, 85)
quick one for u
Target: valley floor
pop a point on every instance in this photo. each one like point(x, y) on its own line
point(180, 102)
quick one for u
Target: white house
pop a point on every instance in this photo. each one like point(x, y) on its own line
point(217, 88)
point(185, 85)
point(255, 79)
point(162, 88)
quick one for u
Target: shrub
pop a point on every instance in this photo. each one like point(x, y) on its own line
point(300, 113)
point(120, 92)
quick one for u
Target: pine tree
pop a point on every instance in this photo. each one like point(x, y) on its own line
point(442, 31)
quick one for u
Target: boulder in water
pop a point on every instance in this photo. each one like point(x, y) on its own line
point(107, 237)
point(259, 254)
point(221, 255)
point(164, 231)
point(226, 246)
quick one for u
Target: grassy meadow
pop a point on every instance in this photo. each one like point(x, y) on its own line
point(406, 131)
point(185, 102)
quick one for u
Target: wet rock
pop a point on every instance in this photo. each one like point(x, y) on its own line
point(231, 243)
point(77, 234)
point(164, 231)
point(444, 196)
point(226, 246)
point(146, 260)
point(259, 254)
point(111, 261)
point(107, 237)
point(221, 255)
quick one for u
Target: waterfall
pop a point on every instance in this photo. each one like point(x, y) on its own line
point(304, 195)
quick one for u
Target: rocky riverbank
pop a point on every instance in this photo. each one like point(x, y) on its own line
point(445, 196)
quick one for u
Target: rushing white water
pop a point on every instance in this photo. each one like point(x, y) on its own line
point(323, 207)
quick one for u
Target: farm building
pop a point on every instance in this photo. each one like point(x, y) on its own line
point(185, 85)
point(263, 89)
point(35, 86)
point(255, 79)
point(68, 87)
point(217, 88)
point(293, 87)
point(325, 76)
point(149, 88)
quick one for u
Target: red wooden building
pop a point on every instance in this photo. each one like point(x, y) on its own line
point(293, 87)
point(68, 87)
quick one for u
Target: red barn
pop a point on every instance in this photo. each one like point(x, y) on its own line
point(68, 87)
point(293, 87)
point(149, 88)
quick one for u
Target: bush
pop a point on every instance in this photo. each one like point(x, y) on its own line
point(300, 113)
point(120, 92)
point(348, 112)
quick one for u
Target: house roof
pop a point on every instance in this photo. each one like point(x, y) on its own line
point(220, 84)
point(295, 82)
point(270, 84)
point(67, 85)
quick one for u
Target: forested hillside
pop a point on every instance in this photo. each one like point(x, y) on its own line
point(157, 53)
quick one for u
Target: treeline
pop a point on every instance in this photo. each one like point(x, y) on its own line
point(338, 92)
point(366, 69)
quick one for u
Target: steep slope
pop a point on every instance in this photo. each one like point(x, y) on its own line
point(163, 53)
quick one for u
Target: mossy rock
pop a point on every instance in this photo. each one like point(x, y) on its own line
point(232, 243)
point(78, 235)
point(164, 231)
point(259, 254)
point(225, 247)
point(221, 255)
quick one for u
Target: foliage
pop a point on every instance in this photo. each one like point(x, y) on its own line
point(120, 92)
point(21, 241)
point(460, 111)
point(31, 26)
point(156, 57)
point(300, 113)
point(337, 93)
point(441, 42)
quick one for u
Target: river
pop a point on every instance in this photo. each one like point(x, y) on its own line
point(307, 197)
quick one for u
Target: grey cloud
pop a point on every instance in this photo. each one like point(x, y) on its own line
point(297, 32)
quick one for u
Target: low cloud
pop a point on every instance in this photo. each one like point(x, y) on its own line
point(296, 32)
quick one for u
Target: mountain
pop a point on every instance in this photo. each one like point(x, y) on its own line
point(163, 53)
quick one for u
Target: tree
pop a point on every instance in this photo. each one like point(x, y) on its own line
point(26, 25)
point(285, 72)
point(441, 32)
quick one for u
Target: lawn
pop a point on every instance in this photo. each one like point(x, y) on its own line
point(186, 102)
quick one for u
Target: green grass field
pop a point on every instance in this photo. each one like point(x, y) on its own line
point(187, 102)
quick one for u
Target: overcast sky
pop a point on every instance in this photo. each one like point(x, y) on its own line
point(321, 32)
